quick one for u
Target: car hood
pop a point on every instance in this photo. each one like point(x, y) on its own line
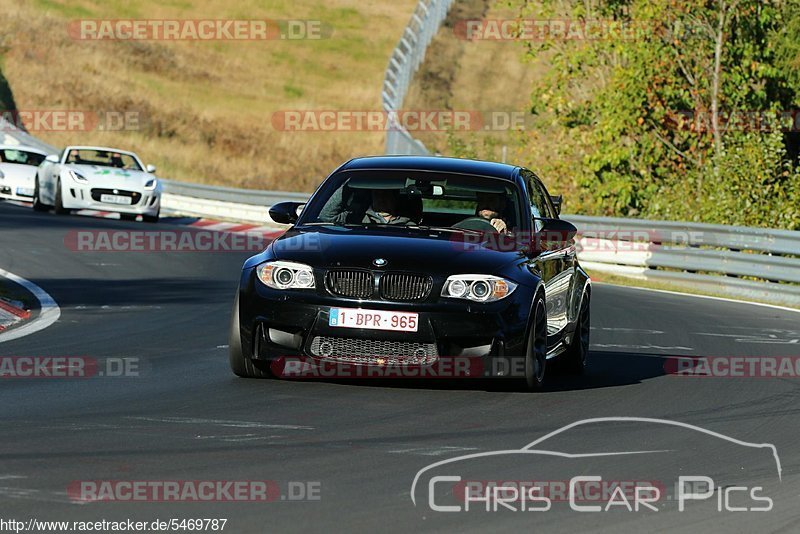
point(111, 178)
point(18, 173)
point(435, 252)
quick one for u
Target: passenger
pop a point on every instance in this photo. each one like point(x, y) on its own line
point(346, 206)
point(384, 209)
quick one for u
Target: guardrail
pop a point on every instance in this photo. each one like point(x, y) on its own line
point(403, 63)
point(753, 263)
point(250, 205)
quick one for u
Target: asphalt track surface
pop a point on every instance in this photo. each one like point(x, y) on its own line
point(186, 417)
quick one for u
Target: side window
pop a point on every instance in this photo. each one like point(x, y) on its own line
point(547, 203)
point(540, 209)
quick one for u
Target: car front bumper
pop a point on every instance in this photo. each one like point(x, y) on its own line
point(16, 191)
point(277, 325)
point(79, 197)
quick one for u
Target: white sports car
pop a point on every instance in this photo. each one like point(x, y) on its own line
point(18, 171)
point(98, 178)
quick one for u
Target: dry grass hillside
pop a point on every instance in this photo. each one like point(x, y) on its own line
point(206, 107)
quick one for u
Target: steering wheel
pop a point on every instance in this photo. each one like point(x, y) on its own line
point(476, 223)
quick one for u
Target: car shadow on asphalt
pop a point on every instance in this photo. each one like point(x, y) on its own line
point(606, 369)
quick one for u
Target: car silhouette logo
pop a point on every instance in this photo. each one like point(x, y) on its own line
point(379, 262)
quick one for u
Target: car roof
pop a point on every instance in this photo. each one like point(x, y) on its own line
point(433, 163)
point(24, 148)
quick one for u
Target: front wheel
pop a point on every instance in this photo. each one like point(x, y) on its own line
point(242, 364)
point(536, 348)
point(576, 356)
point(38, 205)
point(59, 207)
point(151, 218)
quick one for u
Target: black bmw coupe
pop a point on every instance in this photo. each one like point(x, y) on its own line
point(414, 261)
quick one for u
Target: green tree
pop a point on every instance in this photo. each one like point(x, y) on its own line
point(675, 109)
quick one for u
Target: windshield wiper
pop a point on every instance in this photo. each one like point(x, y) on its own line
point(449, 229)
point(331, 223)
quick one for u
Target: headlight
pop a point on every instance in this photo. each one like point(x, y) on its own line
point(477, 287)
point(2, 175)
point(78, 177)
point(286, 275)
point(151, 184)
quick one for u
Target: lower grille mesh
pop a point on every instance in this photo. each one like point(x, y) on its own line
point(373, 352)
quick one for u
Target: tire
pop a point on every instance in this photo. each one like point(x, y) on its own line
point(151, 218)
point(242, 364)
point(536, 348)
point(38, 205)
point(576, 357)
point(127, 216)
point(59, 207)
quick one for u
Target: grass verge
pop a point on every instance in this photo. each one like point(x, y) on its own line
point(205, 108)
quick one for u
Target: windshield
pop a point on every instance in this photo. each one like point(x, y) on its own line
point(103, 158)
point(416, 199)
point(21, 157)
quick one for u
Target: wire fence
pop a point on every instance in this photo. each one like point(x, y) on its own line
point(406, 58)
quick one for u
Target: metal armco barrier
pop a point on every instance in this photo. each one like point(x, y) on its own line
point(404, 62)
point(753, 263)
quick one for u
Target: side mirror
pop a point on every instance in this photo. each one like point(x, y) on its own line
point(52, 158)
point(151, 169)
point(555, 234)
point(557, 200)
point(286, 212)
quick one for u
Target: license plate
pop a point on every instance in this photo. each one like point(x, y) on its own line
point(373, 319)
point(115, 199)
point(25, 191)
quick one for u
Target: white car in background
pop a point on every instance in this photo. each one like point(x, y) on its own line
point(18, 171)
point(98, 178)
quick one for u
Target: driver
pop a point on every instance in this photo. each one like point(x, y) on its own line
point(488, 207)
